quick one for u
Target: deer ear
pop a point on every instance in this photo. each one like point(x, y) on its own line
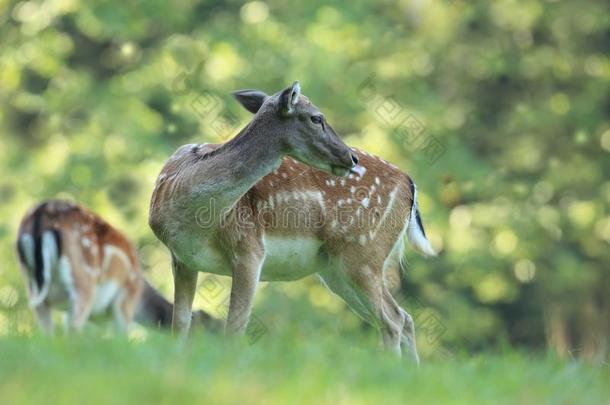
point(289, 98)
point(251, 100)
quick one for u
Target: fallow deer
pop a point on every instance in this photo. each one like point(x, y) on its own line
point(284, 199)
point(69, 255)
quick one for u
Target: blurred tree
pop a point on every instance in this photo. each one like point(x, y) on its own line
point(500, 110)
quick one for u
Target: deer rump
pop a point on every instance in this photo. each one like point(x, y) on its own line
point(66, 251)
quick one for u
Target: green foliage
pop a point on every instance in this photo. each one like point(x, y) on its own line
point(94, 96)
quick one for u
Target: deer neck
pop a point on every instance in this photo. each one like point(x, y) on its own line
point(245, 159)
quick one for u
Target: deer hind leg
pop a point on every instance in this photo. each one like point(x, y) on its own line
point(367, 283)
point(185, 284)
point(80, 308)
point(341, 285)
point(44, 318)
point(392, 323)
point(125, 306)
point(407, 337)
point(80, 288)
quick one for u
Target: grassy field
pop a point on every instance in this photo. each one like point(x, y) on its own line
point(275, 369)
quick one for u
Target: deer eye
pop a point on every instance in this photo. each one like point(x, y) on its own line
point(316, 119)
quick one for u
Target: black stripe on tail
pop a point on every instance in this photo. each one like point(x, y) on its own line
point(21, 253)
point(37, 235)
point(417, 216)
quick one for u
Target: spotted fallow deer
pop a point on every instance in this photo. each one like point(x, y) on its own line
point(69, 255)
point(284, 199)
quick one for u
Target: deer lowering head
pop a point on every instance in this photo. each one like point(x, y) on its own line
point(299, 128)
point(69, 255)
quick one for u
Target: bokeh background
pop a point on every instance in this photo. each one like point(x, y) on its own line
point(499, 110)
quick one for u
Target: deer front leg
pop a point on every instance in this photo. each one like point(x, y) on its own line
point(246, 273)
point(185, 284)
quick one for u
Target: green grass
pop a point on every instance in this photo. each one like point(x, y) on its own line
point(282, 367)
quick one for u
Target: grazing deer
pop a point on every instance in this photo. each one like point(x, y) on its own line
point(283, 199)
point(67, 254)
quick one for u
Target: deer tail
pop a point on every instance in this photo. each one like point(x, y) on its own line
point(39, 253)
point(415, 230)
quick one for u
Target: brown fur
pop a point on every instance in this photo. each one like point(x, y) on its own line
point(97, 255)
point(216, 207)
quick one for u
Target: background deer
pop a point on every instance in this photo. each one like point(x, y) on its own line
point(284, 199)
point(70, 255)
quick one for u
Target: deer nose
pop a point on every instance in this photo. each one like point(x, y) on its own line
point(354, 159)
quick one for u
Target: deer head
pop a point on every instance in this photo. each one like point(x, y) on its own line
point(300, 128)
